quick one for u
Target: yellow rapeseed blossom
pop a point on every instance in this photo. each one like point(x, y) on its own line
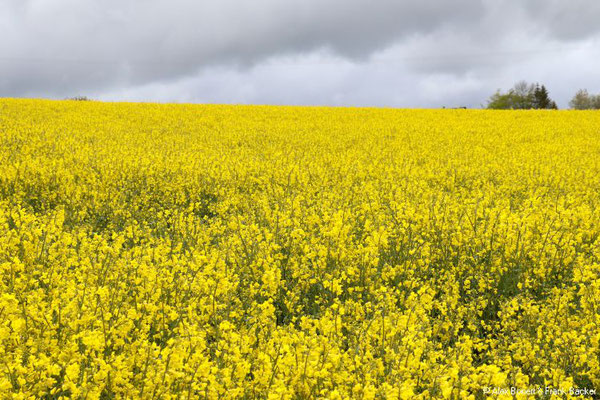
point(182, 251)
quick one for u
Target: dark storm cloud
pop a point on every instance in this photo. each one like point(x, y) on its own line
point(186, 50)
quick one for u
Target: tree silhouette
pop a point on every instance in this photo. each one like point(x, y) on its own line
point(541, 99)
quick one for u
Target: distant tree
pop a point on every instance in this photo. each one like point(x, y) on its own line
point(541, 99)
point(585, 101)
point(519, 97)
point(522, 96)
point(500, 101)
point(581, 100)
point(79, 98)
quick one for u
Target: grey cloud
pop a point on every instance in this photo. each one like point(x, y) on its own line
point(566, 20)
point(153, 39)
point(354, 52)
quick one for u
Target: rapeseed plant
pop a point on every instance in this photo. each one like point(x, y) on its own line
point(181, 251)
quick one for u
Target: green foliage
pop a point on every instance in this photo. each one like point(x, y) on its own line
point(522, 96)
point(585, 101)
point(542, 100)
point(500, 101)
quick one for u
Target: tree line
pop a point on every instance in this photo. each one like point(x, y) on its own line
point(525, 96)
point(585, 101)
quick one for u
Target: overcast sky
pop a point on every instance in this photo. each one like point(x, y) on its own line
point(426, 53)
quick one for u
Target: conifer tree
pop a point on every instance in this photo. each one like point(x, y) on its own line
point(541, 98)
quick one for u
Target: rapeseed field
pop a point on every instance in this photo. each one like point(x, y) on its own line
point(256, 252)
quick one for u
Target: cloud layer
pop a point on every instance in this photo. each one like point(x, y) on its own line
point(426, 53)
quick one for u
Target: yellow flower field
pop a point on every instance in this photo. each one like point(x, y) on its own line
point(186, 251)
